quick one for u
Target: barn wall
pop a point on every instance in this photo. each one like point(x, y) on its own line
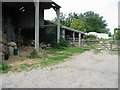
point(9, 22)
point(14, 19)
point(27, 18)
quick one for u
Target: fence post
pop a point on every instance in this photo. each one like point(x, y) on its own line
point(110, 45)
point(63, 33)
point(79, 38)
point(73, 36)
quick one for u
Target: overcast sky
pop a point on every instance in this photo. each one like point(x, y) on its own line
point(106, 8)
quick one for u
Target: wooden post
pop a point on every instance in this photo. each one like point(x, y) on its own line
point(63, 33)
point(58, 24)
point(110, 45)
point(79, 39)
point(37, 26)
point(73, 36)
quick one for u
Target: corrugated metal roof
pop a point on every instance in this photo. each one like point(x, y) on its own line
point(44, 3)
point(70, 29)
point(26, 0)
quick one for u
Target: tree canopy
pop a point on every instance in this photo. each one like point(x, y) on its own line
point(78, 25)
point(117, 33)
point(85, 22)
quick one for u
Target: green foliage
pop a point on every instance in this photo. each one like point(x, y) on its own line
point(63, 53)
point(78, 25)
point(74, 49)
point(88, 21)
point(94, 22)
point(62, 19)
point(90, 37)
point(4, 67)
point(59, 56)
point(117, 34)
point(62, 43)
point(53, 60)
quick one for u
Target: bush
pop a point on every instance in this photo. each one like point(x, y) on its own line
point(4, 67)
point(90, 37)
point(117, 34)
point(62, 43)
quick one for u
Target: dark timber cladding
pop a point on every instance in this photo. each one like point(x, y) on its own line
point(31, 16)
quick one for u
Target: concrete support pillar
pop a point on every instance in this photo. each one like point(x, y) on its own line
point(1, 29)
point(119, 14)
point(37, 26)
point(79, 39)
point(73, 36)
point(63, 33)
point(58, 24)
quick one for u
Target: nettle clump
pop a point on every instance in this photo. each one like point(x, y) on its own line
point(62, 43)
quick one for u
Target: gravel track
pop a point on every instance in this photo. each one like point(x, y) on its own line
point(86, 70)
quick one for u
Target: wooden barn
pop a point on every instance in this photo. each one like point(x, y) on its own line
point(23, 20)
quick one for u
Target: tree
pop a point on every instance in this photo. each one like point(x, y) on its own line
point(70, 18)
point(62, 19)
point(94, 22)
point(117, 34)
point(66, 21)
point(78, 25)
point(86, 22)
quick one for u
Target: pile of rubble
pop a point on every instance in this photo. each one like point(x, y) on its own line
point(107, 45)
point(7, 49)
point(45, 46)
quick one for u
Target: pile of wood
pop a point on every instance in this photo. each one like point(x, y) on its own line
point(45, 46)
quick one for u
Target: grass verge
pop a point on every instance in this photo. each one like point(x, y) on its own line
point(50, 57)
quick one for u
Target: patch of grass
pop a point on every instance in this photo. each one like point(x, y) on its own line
point(4, 68)
point(53, 60)
point(49, 57)
point(73, 49)
point(64, 53)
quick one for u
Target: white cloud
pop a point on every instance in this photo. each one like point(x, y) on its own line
point(106, 8)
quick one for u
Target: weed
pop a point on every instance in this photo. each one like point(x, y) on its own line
point(4, 68)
